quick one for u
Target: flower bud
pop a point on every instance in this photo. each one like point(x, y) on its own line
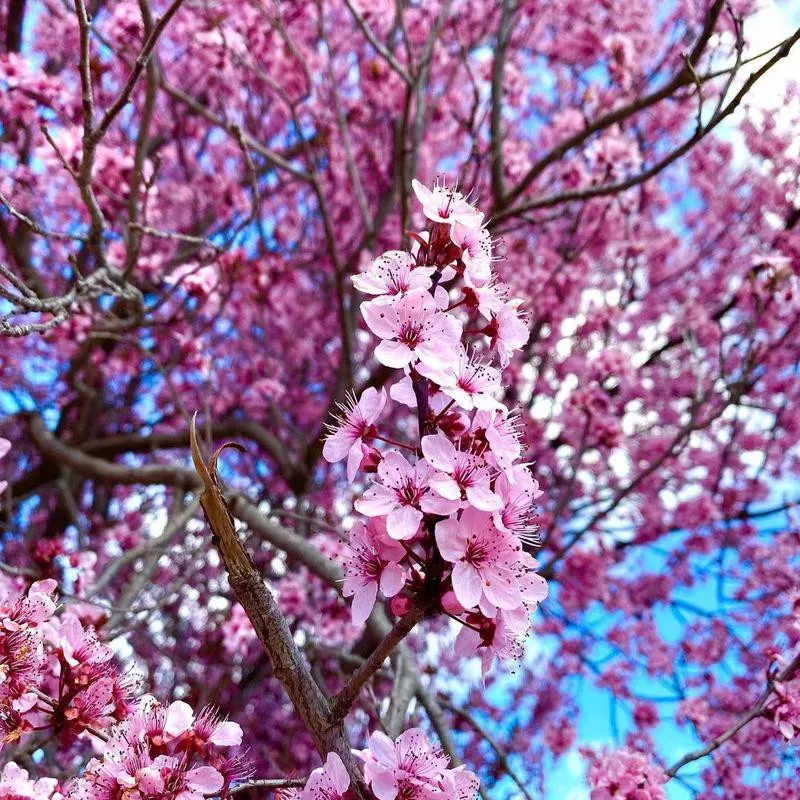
point(400, 605)
point(450, 604)
point(370, 458)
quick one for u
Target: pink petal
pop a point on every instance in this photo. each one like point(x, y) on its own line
point(439, 452)
point(179, 718)
point(483, 498)
point(337, 446)
point(393, 578)
point(434, 504)
point(394, 469)
point(403, 522)
point(438, 351)
point(382, 748)
point(376, 502)
point(466, 584)
point(451, 539)
point(535, 588)
point(337, 772)
point(205, 779)
point(363, 602)
point(501, 589)
point(446, 486)
point(354, 459)
point(394, 354)
point(403, 392)
point(227, 734)
point(384, 785)
point(381, 317)
point(423, 193)
point(371, 403)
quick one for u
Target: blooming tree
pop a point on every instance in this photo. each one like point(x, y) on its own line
point(496, 305)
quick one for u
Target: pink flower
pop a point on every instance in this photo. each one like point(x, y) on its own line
point(412, 328)
point(476, 253)
point(488, 299)
point(329, 782)
point(502, 636)
point(210, 728)
point(501, 432)
point(519, 504)
point(395, 272)
point(787, 711)
point(77, 645)
point(626, 775)
point(400, 494)
point(356, 424)
point(207, 726)
point(409, 768)
point(483, 560)
point(507, 331)
point(470, 382)
point(441, 204)
point(461, 476)
point(374, 563)
point(192, 784)
point(14, 783)
point(180, 717)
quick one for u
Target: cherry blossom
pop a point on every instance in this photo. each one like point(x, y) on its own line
point(592, 314)
point(476, 253)
point(399, 494)
point(16, 785)
point(626, 775)
point(460, 476)
point(471, 383)
point(518, 512)
point(328, 782)
point(411, 767)
point(412, 328)
point(444, 205)
point(483, 560)
point(394, 273)
point(355, 426)
point(507, 331)
point(374, 564)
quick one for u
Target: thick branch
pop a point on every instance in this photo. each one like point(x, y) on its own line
point(288, 664)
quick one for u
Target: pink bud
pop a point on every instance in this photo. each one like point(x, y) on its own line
point(370, 458)
point(399, 605)
point(450, 604)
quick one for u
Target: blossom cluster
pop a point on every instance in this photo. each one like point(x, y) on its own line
point(163, 752)
point(451, 514)
point(56, 676)
point(54, 672)
point(409, 767)
point(16, 785)
point(626, 774)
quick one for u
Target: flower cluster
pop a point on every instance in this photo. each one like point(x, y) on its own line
point(164, 752)
point(450, 517)
point(409, 768)
point(16, 785)
point(55, 673)
point(23, 659)
point(626, 775)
